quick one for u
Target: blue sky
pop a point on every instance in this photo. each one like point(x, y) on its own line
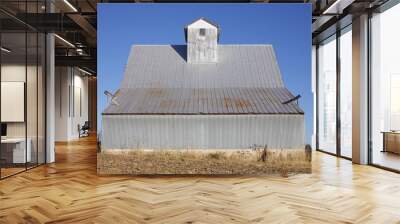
point(286, 26)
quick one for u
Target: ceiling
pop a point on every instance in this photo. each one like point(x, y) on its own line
point(75, 22)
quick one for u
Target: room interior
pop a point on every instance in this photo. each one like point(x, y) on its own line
point(71, 107)
point(23, 54)
point(22, 101)
point(24, 107)
point(385, 89)
point(335, 86)
point(77, 44)
point(68, 188)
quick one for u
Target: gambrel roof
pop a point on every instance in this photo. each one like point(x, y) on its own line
point(246, 80)
point(203, 101)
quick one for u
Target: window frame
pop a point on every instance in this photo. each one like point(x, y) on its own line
point(336, 35)
point(202, 32)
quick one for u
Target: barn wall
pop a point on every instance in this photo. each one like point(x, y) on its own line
point(202, 131)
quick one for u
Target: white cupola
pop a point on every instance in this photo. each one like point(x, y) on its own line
point(202, 42)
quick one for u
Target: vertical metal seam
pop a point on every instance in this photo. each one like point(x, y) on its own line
point(60, 88)
point(26, 85)
point(369, 89)
point(317, 96)
point(37, 90)
point(45, 90)
point(73, 90)
point(338, 92)
point(69, 91)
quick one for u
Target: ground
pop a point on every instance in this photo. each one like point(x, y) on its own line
point(70, 191)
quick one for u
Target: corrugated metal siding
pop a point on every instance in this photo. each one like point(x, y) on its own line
point(202, 49)
point(202, 131)
point(164, 66)
point(204, 101)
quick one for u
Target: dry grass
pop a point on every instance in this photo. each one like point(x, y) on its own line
point(207, 162)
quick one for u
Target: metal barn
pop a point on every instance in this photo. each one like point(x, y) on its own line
point(202, 95)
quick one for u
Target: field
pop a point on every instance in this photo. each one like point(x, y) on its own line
point(259, 161)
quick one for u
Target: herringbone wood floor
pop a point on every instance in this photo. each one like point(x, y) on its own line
point(69, 191)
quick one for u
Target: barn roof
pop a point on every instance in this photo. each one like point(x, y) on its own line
point(246, 80)
point(204, 19)
point(164, 66)
point(203, 101)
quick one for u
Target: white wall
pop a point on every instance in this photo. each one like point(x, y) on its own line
point(12, 73)
point(71, 87)
point(79, 117)
point(61, 103)
point(33, 126)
